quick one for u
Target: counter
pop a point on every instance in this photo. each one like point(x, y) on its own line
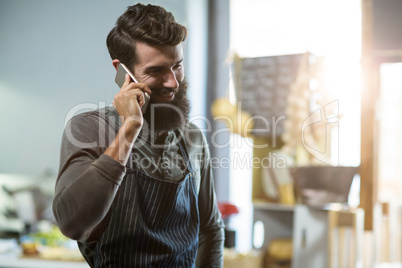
point(12, 261)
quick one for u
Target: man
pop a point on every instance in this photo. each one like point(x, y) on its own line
point(136, 190)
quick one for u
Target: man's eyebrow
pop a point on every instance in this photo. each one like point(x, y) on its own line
point(154, 68)
point(160, 67)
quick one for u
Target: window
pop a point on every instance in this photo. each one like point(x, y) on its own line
point(325, 28)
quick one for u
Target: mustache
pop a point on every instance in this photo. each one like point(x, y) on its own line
point(158, 91)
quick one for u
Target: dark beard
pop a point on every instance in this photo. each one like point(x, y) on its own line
point(161, 117)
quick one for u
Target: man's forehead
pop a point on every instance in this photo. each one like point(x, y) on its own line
point(148, 53)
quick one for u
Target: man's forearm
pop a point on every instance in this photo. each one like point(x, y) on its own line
point(123, 143)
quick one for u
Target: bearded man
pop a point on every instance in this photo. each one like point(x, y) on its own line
point(136, 189)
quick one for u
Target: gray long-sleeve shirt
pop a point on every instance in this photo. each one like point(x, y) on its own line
point(88, 180)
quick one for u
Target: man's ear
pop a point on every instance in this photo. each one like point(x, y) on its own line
point(116, 63)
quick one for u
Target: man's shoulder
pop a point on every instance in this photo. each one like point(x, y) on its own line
point(195, 138)
point(193, 127)
point(194, 131)
point(94, 116)
point(93, 122)
point(90, 128)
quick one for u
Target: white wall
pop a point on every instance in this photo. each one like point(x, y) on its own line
point(53, 56)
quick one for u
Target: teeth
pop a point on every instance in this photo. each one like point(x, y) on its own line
point(167, 94)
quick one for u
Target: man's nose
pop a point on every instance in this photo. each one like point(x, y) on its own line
point(171, 80)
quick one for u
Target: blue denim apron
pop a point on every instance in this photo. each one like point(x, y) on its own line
point(153, 222)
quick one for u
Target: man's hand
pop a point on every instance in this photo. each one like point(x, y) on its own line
point(128, 102)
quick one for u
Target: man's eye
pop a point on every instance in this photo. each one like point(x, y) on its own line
point(154, 71)
point(178, 66)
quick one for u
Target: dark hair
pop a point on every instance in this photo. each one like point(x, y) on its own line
point(150, 24)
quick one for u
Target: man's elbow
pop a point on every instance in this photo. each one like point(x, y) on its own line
point(72, 233)
point(68, 225)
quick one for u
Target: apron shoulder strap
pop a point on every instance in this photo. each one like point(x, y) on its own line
point(184, 150)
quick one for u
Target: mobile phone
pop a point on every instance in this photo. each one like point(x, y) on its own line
point(122, 70)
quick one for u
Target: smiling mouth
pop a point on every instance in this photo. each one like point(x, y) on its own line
point(163, 96)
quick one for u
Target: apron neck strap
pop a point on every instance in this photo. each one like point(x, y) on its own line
point(184, 150)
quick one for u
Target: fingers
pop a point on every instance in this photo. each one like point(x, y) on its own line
point(123, 97)
point(129, 85)
point(127, 80)
point(134, 94)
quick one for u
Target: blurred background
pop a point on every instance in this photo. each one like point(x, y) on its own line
point(324, 75)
